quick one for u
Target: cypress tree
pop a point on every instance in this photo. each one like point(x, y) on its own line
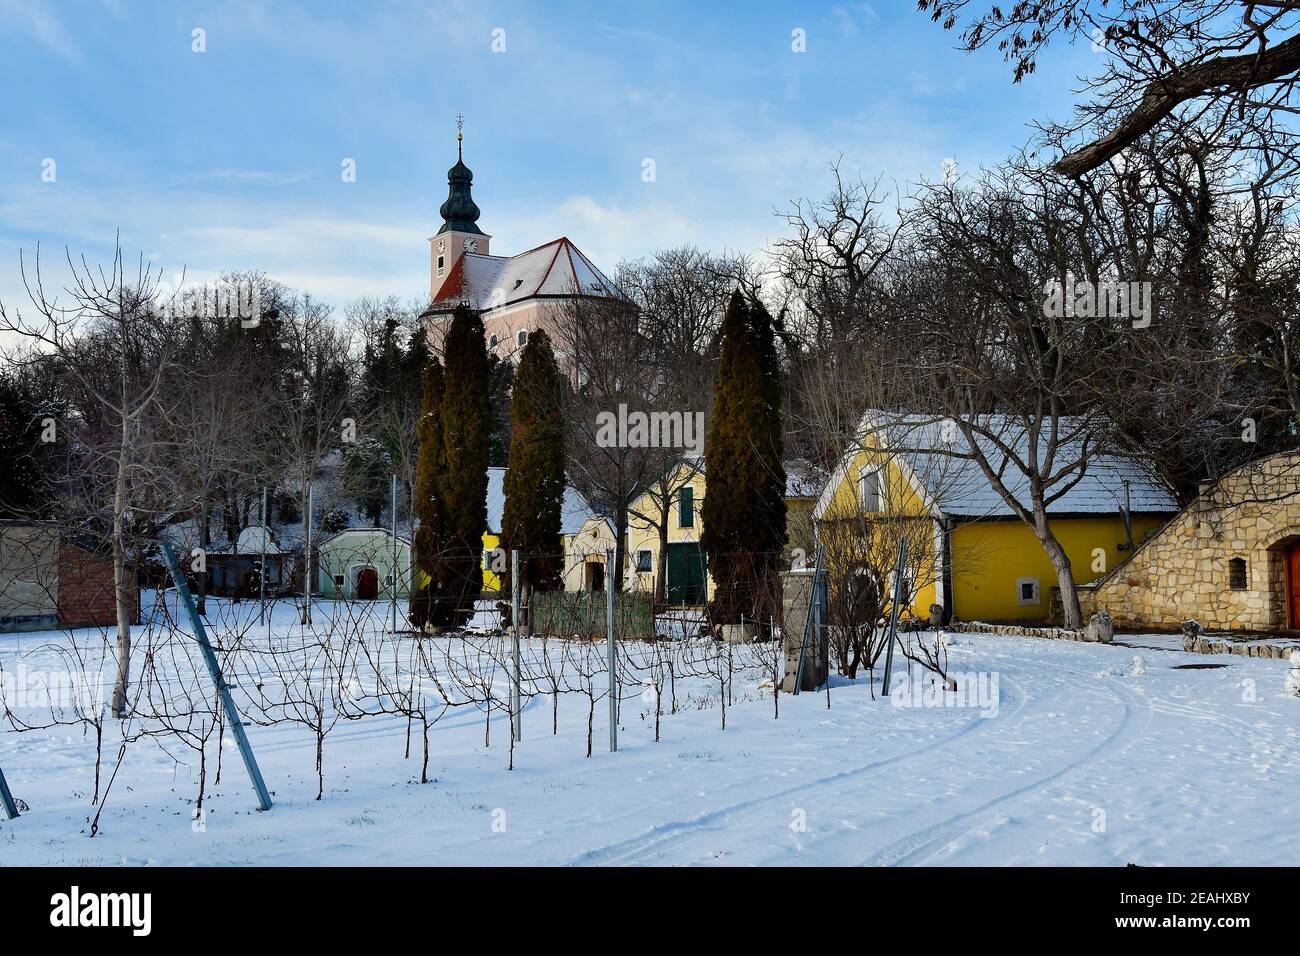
point(744, 506)
point(466, 421)
point(534, 482)
point(429, 505)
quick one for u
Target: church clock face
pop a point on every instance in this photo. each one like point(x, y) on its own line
point(471, 245)
point(442, 246)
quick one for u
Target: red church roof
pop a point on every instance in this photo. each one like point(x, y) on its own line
point(556, 269)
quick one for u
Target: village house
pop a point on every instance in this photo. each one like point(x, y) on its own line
point(364, 564)
point(970, 553)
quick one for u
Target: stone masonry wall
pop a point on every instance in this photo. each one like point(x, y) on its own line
point(1183, 573)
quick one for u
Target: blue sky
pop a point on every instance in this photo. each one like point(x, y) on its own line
point(231, 158)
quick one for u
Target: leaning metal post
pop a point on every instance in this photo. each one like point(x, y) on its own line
point(7, 799)
point(227, 702)
point(893, 616)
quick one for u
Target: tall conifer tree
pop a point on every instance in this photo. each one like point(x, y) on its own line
point(429, 505)
point(466, 431)
point(534, 482)
point(744, 505)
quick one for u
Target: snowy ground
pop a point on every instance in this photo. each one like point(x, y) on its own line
point(1079, 758)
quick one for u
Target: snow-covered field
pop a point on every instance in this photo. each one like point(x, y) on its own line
point(1063, 753)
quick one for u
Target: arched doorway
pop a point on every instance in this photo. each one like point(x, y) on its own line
point(1291, 560)
point(367, 584)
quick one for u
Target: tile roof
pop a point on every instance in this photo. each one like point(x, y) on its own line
point(558, 268)
point(958, 486)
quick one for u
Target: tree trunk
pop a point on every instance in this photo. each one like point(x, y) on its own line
point(1064, 576)
point(121, 592)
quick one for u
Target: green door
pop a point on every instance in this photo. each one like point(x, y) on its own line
point(685, 573)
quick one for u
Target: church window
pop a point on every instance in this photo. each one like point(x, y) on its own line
point(492, 342)
point(522, 338)
point(1237, 577)
point(440, 265)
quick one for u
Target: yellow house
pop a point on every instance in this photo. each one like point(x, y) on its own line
point(970, 553)
point(677, 500)
point(574, 514)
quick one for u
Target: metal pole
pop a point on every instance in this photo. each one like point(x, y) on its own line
point(610, 655)
point(233, 719)
point(7, 799)
point(306, 583)
point(393, 573)
point(893, 617)
point(517, 721)
point(261, 571)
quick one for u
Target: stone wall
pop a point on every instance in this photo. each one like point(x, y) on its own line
point(1183, 572)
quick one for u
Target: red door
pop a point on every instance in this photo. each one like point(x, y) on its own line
point(1293, 586)
point(367, 584)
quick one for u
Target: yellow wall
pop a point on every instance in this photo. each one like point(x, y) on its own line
point(491, 580)
point(988, 557)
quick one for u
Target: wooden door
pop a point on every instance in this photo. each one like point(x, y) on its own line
point(367, 584)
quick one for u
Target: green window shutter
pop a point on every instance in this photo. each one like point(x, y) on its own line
point(686, 509)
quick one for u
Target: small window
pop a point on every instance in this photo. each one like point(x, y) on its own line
point(869, 491)
point(492, 342)
point(643, 561)
point(338, 580)
point(1237, 577)
point(686, 508)
point(1028, 591)
point(522, 338)
point(440, 265)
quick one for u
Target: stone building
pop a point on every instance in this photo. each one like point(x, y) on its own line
point(1230, 560)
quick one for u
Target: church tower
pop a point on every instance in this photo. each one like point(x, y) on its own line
point(460, 232)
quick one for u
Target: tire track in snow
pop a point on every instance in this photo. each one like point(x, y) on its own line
point(924, 843)
point(669, 835)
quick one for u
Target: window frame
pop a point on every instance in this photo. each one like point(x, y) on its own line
point(864, 473)
point(1233, 562)
point(1036, 584)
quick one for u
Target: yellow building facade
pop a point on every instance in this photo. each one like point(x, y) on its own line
point(969, 553)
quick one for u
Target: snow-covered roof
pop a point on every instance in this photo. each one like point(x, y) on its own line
point(958, 486)
point(558, 268)
point(574, 510)
point(251, 541)
point(803, 480)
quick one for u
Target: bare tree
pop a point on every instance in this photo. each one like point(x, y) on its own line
point(111, 340)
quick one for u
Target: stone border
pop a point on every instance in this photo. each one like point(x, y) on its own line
point(1016, 630)
point(1191, 644)
point(1201, 645)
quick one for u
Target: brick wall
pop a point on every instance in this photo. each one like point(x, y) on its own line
point(86, 589)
